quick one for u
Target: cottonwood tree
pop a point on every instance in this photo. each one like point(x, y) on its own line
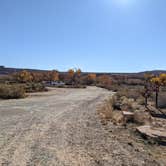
point(70, 76)
point(91, 78)
point(73, 76)
point(77, 76)
point(78, 72)
point(37, 76)
point(23, 77)
point(54, 75)
point(163, 79)
point(46, 76)
point(156, 81)
point(104, 80)
point(88, 79)
point(147, 92)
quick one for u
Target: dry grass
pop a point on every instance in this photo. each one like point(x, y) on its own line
point(141, 101)
point(35, 87)
point(126, 104)
point(133, 93)
point(107, 113)
point(11, 91)
point(128, 100)
point(142, 117)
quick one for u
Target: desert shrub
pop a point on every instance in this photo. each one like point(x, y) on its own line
point(134, 94)
point(122, 103)
point(22, 77)
point(126, 104)
point(114, 88)
point(121, 93)
point(104, 81)
point(142, 117)
point(118, 118)
point(134, 82)
point(35, 87)
point(116, 103)
point(141, 101)
point(11, 91)
point(162, 100)
point(89, 79)
point(130, 93)
point(105, 111)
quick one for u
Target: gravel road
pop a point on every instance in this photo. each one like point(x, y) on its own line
point(48, 128)
point(61, 128)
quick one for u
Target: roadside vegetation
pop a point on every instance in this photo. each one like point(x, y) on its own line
point(142, 106)
point(19, 84)
point(11, 91)
point(138, 105)
point(146, 90)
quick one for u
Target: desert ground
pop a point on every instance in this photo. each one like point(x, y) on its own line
point(61, 127)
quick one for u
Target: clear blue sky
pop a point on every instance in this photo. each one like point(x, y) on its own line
point(95, 35)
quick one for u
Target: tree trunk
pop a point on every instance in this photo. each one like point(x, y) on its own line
point(157, 94)
point(146, 102)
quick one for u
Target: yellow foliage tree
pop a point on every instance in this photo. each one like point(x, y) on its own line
point(71, 73)
point(78, 72)
point(104, 80)
point(91, 79)
point(146, 93)
point(70, 76)
point(156, 81)
point(77, 76)
point(54, 75)
point(92, 76)
point(163, 79)
point(37, 76)
point(24, 76)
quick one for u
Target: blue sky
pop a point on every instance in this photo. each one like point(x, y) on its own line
point(95, 35)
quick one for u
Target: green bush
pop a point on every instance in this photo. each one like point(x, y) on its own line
point(11, 91)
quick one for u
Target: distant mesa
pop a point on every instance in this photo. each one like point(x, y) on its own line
point(7, 70)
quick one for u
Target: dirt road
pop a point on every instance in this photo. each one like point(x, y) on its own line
point(61, 128)
point(48, 128)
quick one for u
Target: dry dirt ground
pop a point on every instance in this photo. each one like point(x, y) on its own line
point(61, 128)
